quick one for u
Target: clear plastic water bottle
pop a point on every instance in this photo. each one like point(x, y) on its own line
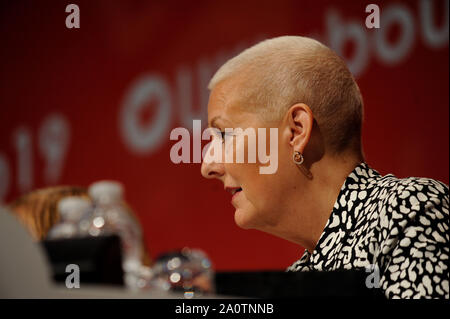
point(110, 216)
point(71, 211)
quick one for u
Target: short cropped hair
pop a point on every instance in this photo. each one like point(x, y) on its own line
point(283, 71)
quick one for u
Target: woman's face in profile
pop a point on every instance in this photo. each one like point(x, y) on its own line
point(257, 198)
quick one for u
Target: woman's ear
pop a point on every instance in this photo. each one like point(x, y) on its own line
point(300, 121)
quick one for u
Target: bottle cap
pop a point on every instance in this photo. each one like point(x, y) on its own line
point(73, 207)
point(106, 190)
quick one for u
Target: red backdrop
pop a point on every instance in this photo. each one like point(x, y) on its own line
point(79, 105)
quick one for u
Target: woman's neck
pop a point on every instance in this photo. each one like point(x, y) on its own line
point(310, 207)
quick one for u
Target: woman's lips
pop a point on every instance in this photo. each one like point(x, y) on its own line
point(236, 193)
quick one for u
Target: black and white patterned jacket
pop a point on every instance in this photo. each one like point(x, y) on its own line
point(397, 226)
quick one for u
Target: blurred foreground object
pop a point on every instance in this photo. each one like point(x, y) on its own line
point(76, 212)
point(71, 210)
point(110, 216)
point(99, 259)
point(24, 272)
point(189, 271)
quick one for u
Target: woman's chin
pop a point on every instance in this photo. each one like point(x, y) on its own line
point(243, 219)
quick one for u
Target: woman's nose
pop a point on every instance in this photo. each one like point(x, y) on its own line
point(212, 169)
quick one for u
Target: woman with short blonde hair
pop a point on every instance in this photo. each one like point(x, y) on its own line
point(324, 196)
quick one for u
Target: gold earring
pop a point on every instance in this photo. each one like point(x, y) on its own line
point(297, 157)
